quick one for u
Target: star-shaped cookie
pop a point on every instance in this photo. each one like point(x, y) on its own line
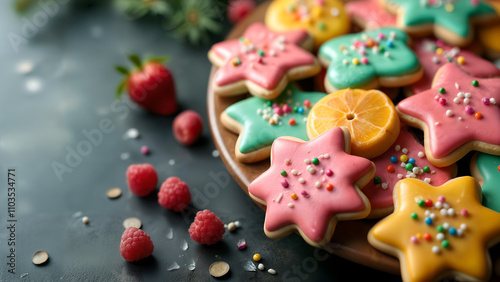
point(458, 114)
point(405, 159)
point(259, 122)
point(447, 20)
point(433, 54)
point(261, 62)
point(486, 169)
point(439, 232)
point(323, 19)
point(311, 185)
point(369, 59)
point(368, 14)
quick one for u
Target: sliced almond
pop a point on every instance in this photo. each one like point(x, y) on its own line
point(114, 193)
point(132, 222)
point(40, 257)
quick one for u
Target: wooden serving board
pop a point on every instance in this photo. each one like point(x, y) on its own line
point(350, 238)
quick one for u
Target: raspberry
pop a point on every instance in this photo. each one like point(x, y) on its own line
point(237, 10)
point(187, 127)
point(141, 179)
point(174, 194)
point(207, 228)
point(135, 244)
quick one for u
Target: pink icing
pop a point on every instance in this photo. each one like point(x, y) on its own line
point(381, 198)
point(447, 133)
point(473, 65)
point(312, 213)
point(281, 54)
point(372, 13)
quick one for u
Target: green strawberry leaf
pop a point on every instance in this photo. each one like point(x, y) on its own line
point(122, 70)
point(160, 59)
point(135, 60)
point(121, 87)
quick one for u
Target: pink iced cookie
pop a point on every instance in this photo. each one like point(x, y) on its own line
point(433, 54)
point(405, 159)
point(261, 62)
point(311, 185)
point(368, 14)
point(458, 114)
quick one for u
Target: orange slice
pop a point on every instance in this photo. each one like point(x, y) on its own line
point(369, 115)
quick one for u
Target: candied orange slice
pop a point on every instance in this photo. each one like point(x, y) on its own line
point(369, 115)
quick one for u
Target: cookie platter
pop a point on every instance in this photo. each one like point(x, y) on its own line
point(352, 244)
point(350, 238)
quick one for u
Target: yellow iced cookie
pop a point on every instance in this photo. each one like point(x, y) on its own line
point(323, 19)
point(439, 232)
point(488, 35)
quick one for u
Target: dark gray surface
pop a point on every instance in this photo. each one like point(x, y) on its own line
point(73, 57)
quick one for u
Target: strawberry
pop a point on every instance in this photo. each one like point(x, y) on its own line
point(150, 85)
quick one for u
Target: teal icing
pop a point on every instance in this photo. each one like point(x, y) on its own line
point(488, 167)
point(257, 132)
point(456, 21)
point(400, 61)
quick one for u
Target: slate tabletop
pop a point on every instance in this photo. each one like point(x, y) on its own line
point(57, 87)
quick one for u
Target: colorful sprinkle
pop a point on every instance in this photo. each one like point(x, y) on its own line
point(283, 173)
point(427, 237)
point(428, 221)
point(329, 187)
point(364, 60)
point(292, 121)
point(328, 172)
point(440, 229)
point(390, 169)
point(469, 110)
point(452, 231)
point(475, 83)
point(442, 90)
point(394, 159)
point(302, 180)
point(256, 257)
point(304, 193)
point(445, 244)
point(284, 183)
point(409, 167)
point(315, 161)
point(355, 61)
point(464, 212)
point(421, 203)
point(403, 158)
point(478, 115)
point(412, 161)
point(318, 184)
point(377, 180)
point(429, 203)
point(414, 216)
point(427, 169)
point(414, 239)
point(461, 60)
point(294, 196)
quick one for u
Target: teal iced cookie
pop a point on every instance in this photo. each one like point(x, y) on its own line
point(486, 169)
point(448, 20)
point(369, 60)
point(259, 122)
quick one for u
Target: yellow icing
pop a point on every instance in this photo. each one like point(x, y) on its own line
point(466, 255)
point(319, 20)
point(489, 34)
